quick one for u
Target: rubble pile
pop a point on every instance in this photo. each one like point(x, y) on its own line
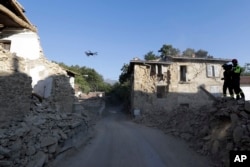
point(40, 136)
point(212, 130)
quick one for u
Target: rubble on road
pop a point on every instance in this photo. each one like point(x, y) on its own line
point(212, 130)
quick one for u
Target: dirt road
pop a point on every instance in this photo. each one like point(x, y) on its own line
point(118, 142)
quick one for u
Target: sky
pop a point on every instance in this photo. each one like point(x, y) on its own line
point(120, 30)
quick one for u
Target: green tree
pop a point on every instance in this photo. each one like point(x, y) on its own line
point(124, 76)
point(188, 52)
point(202, 54)
point(168, 50)
point(120, 92)
point(150, 56)
point(87, 79)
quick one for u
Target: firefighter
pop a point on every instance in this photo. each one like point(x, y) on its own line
point(227, 77)
point(236, 71)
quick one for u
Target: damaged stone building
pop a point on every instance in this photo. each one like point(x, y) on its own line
point(24, 70)
point(175, 82)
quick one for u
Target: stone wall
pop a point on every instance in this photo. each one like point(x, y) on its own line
point(15, 87)
point(175, 93)
point(35, 129)
point(51, 82)
point(62, 94)
point(42, 135)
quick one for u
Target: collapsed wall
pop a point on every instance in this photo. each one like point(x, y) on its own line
point(51, 81)
point(15, 87)
point(36, 128)
point(213, 130)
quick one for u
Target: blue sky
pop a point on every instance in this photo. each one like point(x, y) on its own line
point(120, 30)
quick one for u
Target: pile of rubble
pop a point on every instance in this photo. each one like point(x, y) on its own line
point(42, 135)
point(212, 130)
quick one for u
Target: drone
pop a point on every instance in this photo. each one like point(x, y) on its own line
point(89, 53)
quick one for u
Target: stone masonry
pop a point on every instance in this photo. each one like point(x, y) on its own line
point(40, 136)
point(15, 87)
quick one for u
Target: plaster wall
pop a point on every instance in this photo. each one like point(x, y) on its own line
point(24, 43)
point(246, 90)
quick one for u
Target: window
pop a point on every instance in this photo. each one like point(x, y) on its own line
point(5, 44)
point(153, 70)
point(161, 91)
point(183, 72)
point(159, 69)
point(212, 71)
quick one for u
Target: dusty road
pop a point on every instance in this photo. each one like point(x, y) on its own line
point(118, 142)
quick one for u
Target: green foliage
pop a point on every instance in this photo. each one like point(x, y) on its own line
point(150, 56)
point(87, 79)
point(168, 50)
point(125, 76)
point(120, 93)
point(188, 52)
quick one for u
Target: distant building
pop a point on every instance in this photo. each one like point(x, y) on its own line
point(175, 82)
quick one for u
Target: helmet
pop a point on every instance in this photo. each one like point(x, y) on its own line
point(224, 65)
point(234, 61)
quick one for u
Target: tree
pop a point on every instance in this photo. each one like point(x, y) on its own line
point(120, 92)
point(124, 77)
point(150, 56)
point(168, 50)
point(188, 52)
point(202, 54)
point(87, 79)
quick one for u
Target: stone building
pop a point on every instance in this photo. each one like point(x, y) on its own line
point(175, 82)
point(22, 56)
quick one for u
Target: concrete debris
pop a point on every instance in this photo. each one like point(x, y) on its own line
point(212, 130)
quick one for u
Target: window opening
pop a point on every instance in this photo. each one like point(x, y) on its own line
point(183, 72)
point(5, 45)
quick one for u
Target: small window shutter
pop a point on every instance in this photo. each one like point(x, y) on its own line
point(164, 69)
point(216, 71)
point(209, 71)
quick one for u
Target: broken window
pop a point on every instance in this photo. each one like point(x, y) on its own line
point(5, 44)
point(153, 70)
point(161, 91)
point(213, 70)
point(183, 73)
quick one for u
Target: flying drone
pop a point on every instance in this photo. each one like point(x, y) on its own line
point(89, 53)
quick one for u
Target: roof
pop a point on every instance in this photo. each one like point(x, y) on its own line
point(12, 16)
point(71, 72)
point(149, 62)
point(171, 59)
point(196, 59)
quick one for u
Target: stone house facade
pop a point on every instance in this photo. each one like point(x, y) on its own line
point(175, 82)
point(21, 53)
